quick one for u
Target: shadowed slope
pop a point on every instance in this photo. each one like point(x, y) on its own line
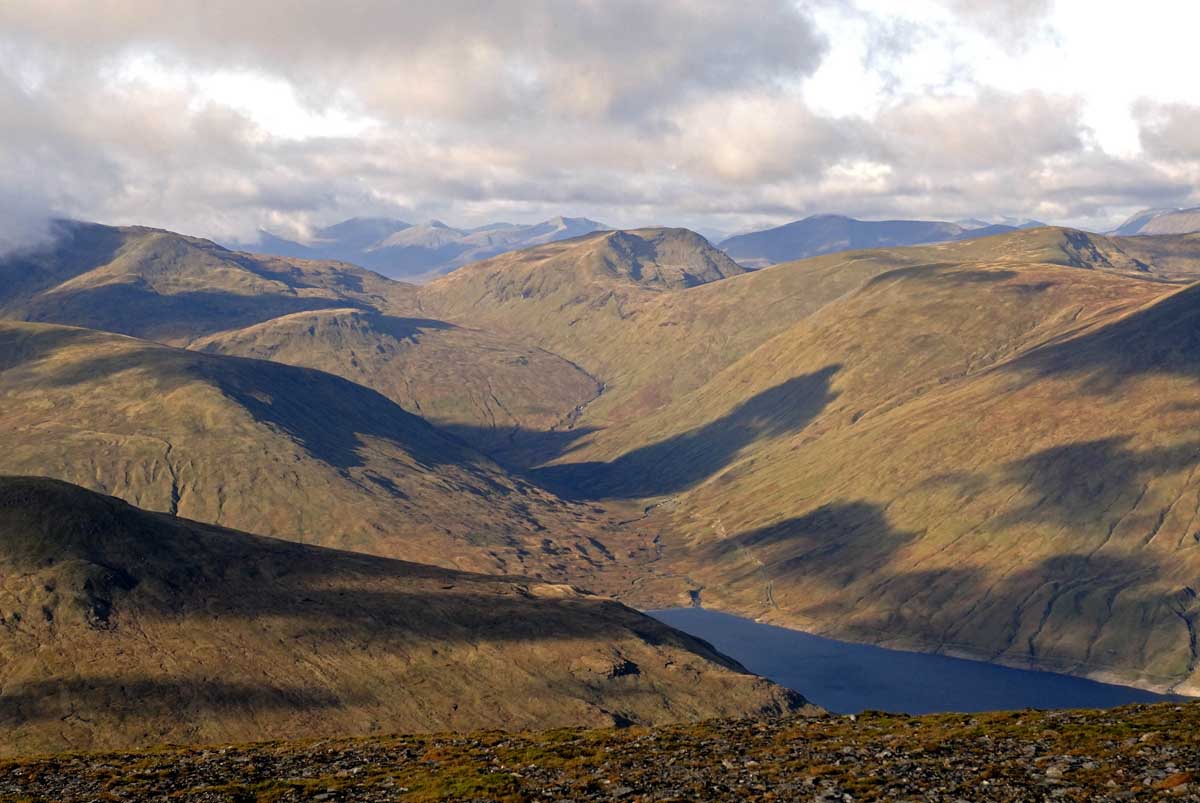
point(258, 445)
point(120, 627)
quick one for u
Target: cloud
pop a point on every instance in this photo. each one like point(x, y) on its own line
point(221, 117)
point(1169, 131)
point(1011, 21)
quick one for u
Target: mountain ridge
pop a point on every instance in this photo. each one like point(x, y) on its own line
point(821, 234)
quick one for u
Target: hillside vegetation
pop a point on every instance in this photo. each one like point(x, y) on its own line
point(270, 448)
point(123, 628)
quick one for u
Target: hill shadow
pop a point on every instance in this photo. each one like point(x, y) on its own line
point(840, 541)
point(133, 310)
point(330, 417)
point(1055, 613)
point(112, 564)
point(86, 698)
point(76, 248)
point(949, 272)
point(1162, 338)
point(684, 460)
point(1068, 483)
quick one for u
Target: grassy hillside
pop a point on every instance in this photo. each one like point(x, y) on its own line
point(487, 388)
point(652, 348)
point(270, 448)
point(172, 288)
point(121, 628)
point(986, 459)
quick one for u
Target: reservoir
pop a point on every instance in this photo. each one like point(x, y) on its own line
point(848, 678)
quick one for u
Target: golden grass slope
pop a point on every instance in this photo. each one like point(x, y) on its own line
point(268, 447)
point(122, 628)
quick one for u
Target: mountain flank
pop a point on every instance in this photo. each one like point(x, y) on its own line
point(123, 628)
point(989, 460)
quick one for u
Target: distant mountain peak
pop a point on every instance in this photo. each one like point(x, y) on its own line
point(830, 233)
point(403, 250)
point(1171, 220)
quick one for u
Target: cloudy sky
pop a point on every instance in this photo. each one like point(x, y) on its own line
point(217, 117)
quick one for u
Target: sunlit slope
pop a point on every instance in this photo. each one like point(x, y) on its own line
point(124, 628)
point(649, 343)
point(650, 348)
point(266, 447)
point(172, 288)
point(484, 387)
point(993, 460)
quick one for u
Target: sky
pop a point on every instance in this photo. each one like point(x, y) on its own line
point(223, 117)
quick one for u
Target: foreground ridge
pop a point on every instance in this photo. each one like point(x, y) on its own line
point(1132, 753)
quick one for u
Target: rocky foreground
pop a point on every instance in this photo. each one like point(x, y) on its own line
point(1133, 753)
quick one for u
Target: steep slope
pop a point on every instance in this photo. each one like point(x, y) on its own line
point(402, 250)
point(827, 234)
point(172, 288)
point(270, 448)
point(121, 628)
point(988, 459)
point(486, 388)
point(1161, 221)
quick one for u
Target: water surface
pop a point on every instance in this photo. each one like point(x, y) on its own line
point(847, 678)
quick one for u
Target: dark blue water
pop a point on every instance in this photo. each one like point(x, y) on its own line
point(848, 678)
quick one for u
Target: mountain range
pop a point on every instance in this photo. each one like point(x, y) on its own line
point(418, 251)
point(827, 234)
point(978, 447)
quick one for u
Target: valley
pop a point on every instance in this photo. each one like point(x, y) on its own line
point(913, 447)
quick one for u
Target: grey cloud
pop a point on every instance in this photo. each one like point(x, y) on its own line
point(629, 112)
point(456, 58)
point(990, 131)
point(1010, 21)
point(1169, 131)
